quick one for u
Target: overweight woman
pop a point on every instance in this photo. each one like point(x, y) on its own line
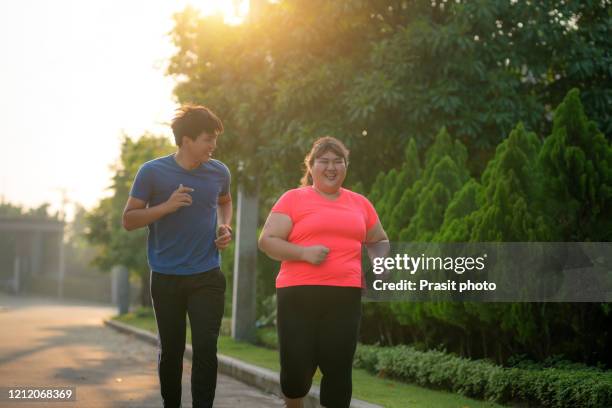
point(317, 231)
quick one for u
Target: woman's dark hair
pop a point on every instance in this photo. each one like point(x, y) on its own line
point(192, 120)
point(319, 148)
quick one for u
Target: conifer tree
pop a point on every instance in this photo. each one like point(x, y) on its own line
point(577, 163)
point(512, 188)
point(458, 224)
point(445, 173)
point(388, 189)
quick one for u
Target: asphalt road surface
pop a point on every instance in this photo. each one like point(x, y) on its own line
point(47, 343)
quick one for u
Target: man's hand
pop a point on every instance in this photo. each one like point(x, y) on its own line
point(179, 198)
point(224, 236)
point(315, 254)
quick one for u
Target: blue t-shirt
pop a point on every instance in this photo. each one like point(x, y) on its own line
point(182, 242)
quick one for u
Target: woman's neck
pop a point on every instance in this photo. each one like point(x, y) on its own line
point(335, 194)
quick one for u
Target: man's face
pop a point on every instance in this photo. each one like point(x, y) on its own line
point(202, 147)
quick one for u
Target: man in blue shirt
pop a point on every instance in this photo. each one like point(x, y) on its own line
point(184, 200)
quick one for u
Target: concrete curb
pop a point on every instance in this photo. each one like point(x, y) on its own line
point(262, 378)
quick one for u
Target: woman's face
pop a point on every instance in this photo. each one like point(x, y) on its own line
point(328, 172)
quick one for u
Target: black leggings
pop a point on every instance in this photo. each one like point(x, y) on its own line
point(318, 326)
point(201, 296)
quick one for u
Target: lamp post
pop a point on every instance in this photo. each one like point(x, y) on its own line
point(245, 260)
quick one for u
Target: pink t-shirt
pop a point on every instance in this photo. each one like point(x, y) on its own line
point(340, 224)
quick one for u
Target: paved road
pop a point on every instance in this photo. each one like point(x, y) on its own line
point(47, 343)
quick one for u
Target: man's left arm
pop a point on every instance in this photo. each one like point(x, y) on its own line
point(224, 216)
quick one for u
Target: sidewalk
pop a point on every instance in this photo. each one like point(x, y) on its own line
point(51, 343)
point(259, 377)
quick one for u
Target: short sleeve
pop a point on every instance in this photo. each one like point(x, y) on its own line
point(284, 204)
point(142, 188)
point(370, 213)
point(225, 189)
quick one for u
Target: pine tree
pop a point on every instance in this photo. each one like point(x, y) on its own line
point(509, 197)
point(388, 189)
point(376, 191)
point(444, 174)
point(577, 162)
point(408, 174)
point(458, 224)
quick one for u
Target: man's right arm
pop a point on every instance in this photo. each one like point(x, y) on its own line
point(136, 214)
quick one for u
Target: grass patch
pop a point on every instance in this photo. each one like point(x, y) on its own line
point(367, 387)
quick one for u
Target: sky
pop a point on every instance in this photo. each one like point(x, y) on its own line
point(75, 75)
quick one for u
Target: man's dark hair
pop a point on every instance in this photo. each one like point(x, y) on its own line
point(192, 120)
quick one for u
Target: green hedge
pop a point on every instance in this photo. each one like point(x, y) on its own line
point(546, 387)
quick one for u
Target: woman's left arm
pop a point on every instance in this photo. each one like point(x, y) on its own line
point(377, 241)
point(376, 234)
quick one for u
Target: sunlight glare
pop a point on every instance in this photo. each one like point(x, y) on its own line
point(234, 11)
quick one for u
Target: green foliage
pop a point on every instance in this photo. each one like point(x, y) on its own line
point(577, 163)
point(529, 191)
point(545, 387)
point(512, 195)
point(117, 246)
point(391, 189)
point(378, 74)
point(385, 77)
point(457, 226)
point(444, 173)
point(411, 202)
point(480, 67)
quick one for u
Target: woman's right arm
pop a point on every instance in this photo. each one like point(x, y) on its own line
point(273, 241)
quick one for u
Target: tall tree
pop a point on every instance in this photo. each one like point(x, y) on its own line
point(577, 161)
point(378, 73)
point(115, 245)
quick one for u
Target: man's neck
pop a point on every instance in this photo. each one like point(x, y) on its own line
point(186, 162)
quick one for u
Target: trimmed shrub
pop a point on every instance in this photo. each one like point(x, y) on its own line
point(546, 387)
